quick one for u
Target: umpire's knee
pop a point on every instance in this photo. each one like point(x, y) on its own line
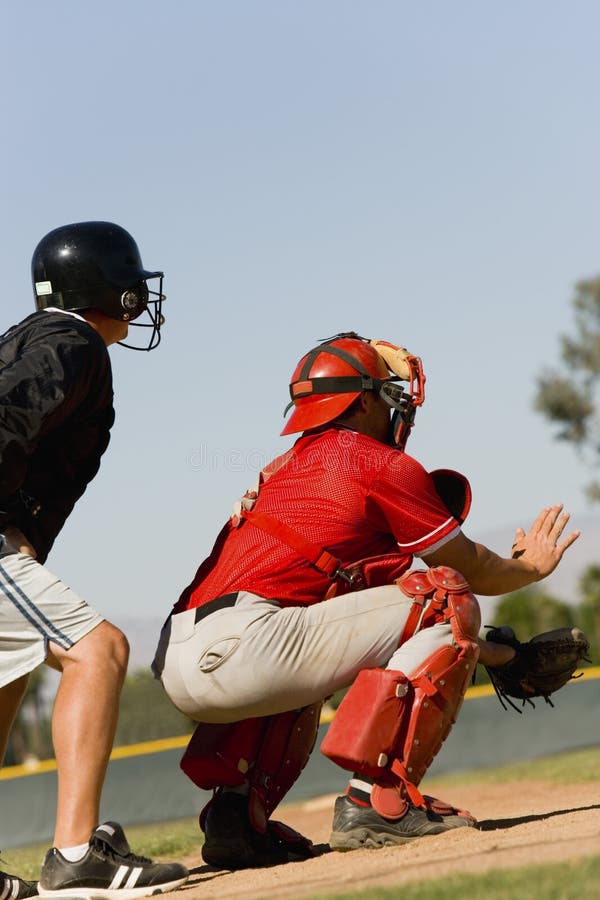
point(104, 647)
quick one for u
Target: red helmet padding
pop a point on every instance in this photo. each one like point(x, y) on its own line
point(317, 409)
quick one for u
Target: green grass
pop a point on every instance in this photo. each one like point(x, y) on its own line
point(563, 881)
point(177, 839)
point(566, 768)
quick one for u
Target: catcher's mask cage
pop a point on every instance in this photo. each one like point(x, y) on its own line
point(97, 265)
point(332, 375)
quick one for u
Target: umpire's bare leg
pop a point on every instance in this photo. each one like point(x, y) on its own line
point(83, 726)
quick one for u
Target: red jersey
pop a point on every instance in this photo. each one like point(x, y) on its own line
point(346, 492)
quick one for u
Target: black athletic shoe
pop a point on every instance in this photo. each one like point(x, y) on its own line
point(356, 827)
point(14, 888)
point(232, 843)
point(108, 870)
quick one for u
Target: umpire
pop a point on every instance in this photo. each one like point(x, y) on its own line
point(56, 408)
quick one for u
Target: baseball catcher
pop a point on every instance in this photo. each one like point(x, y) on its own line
point(308, 590)
point(540, 667)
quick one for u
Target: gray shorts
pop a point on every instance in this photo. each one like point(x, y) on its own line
point(35, 608)
point(257, 658)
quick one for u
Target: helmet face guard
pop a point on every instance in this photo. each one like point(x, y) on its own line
point(97, 265)
point(319, 397)
point(404, 402)
point(151, 307)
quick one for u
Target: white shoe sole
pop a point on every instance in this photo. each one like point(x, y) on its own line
point(82, 893)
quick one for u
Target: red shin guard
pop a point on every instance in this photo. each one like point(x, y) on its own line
point(389, 727)
point(266, 753)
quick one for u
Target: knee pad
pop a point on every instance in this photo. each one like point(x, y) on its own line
point(439, 594)
point(367, 724)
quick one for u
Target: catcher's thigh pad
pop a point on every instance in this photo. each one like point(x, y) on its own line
point(390, 727)
point(366, 728)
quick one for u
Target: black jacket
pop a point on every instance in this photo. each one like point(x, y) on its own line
point(56, 411)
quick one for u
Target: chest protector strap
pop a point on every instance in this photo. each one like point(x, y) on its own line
point(452, 487)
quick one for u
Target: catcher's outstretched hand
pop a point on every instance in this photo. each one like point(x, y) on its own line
point(541, 546)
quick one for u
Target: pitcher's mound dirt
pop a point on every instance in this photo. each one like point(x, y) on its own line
point(520, 824)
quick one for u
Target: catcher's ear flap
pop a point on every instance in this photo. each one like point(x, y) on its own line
point(454, 490)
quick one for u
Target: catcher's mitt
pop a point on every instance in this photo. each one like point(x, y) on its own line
point(540, 667)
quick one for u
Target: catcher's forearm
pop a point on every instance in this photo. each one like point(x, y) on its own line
point(492, 574)
point(491, 654)
point(534, 555)
point(487, 573)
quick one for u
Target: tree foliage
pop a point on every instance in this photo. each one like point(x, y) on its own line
point(531, 611)
point(30, 736)
point(567, 394)
point(146, 713)
point(589, 610)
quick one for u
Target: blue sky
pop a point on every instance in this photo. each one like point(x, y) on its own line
point(422, 173)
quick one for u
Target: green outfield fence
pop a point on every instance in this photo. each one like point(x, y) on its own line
point(145, 784)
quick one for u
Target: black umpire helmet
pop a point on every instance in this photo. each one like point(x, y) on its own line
point(96, 265)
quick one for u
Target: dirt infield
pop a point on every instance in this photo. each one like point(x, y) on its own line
point(520, 824)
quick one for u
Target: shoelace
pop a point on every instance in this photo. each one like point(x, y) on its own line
point(112, 853)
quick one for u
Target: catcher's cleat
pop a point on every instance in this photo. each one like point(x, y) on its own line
point(360, 827)
point(14, 888)
point(232, 843)
point(108, 870)
point(450, 814)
